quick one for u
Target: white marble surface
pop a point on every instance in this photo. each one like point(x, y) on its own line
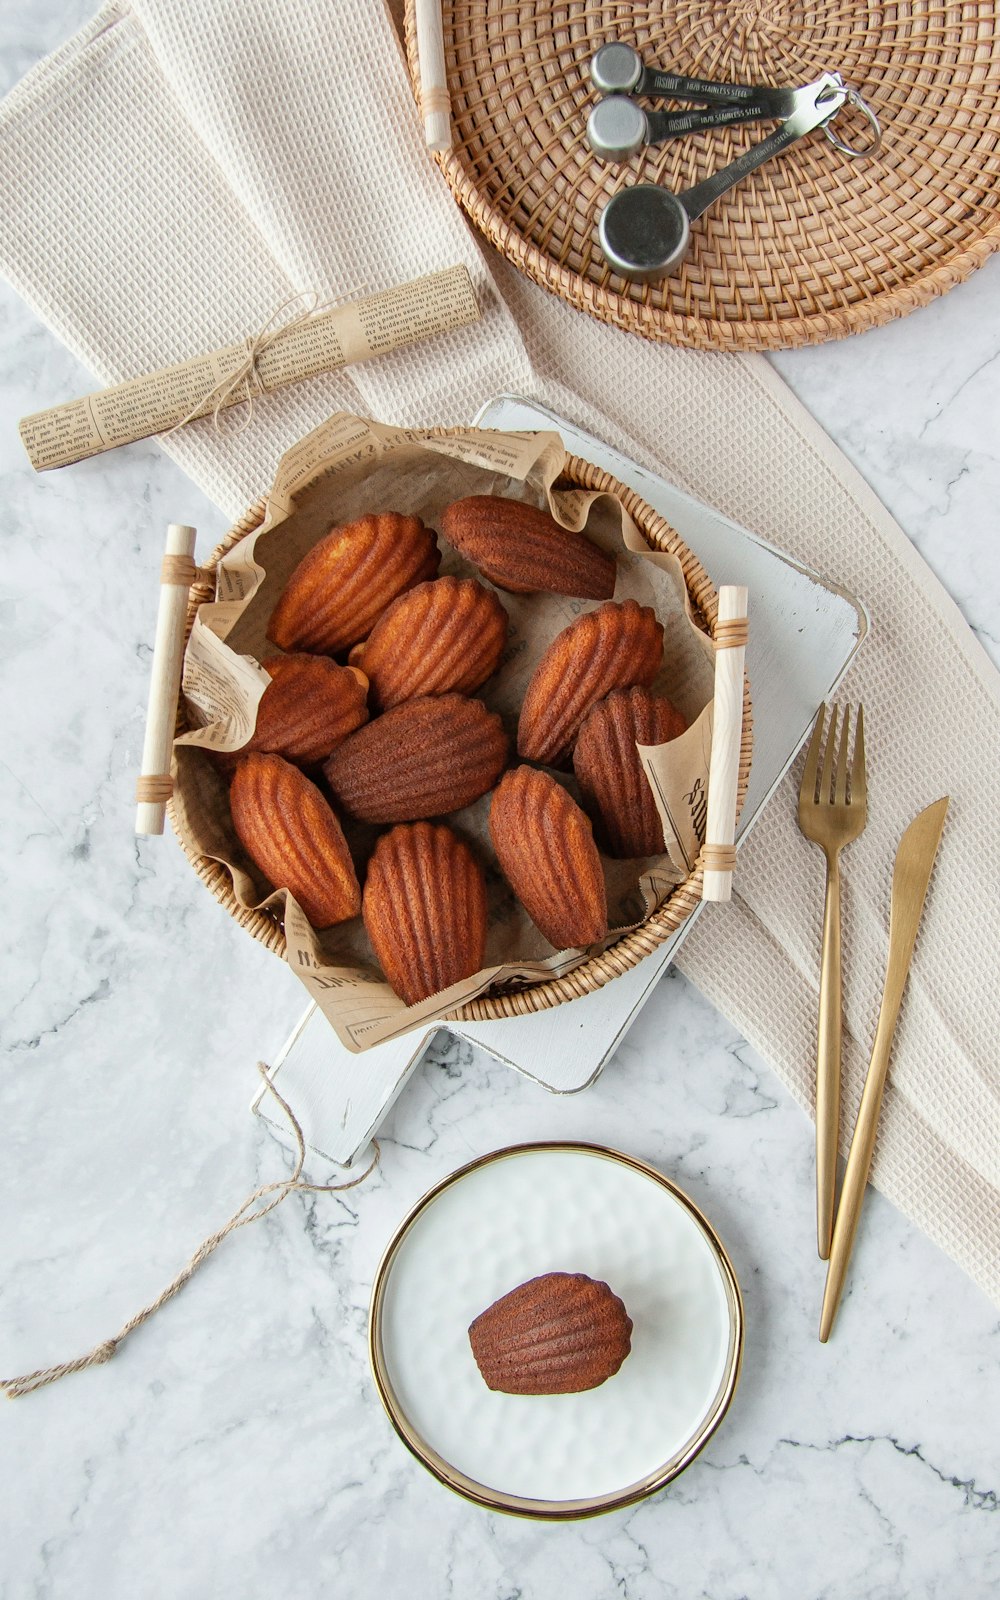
point(235, 1447)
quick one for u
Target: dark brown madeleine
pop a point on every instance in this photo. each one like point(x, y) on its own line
point(443, 636)
point(423, 758)
point(293, 836)
point(613, 647)
point(340, 589)
point(425, 909)
point(310, 706)
point(546, 850)
point(561, 1333)
point(523, 549)
point(610, 773)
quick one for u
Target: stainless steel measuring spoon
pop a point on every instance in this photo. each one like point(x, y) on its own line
point(645, 230)
point(617, 127)
point(618, 69)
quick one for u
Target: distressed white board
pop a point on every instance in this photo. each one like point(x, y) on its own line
point(803, 633)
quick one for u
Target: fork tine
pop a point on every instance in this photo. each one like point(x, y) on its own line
point(826, 776)
point(859, 780)
point(807, 791)
point(840, 793)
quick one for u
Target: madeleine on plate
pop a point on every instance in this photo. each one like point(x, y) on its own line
point(560, 1333)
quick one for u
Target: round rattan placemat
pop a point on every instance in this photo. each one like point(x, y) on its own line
point(628, 950)
point(812, 246)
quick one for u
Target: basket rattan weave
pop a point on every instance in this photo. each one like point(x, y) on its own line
point(812, 246)
point(628, 950)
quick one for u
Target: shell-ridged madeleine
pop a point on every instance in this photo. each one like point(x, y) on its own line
point(287, 828)
point(443, 636)
point(545, 846)
point(561, 1333)
point(611, 648)
point(611, 775)
point(423, 758)
point(523, 549)
point(309, 707)
point(340, 588)
point(424, 907)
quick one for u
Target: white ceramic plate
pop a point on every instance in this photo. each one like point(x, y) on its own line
point(545, 1208)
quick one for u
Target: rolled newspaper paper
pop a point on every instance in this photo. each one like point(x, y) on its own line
point(325, 341)
point(176, 577)
point(435, 103)
point(719, 853)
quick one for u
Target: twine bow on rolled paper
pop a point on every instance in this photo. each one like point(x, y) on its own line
point(29, 1381)
point(246, 373)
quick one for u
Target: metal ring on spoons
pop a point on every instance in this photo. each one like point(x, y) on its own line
point(855, 154)
point(645, 230)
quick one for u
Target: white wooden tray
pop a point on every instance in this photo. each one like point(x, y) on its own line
point(804, 631)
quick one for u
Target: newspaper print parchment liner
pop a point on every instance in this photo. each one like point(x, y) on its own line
point(345, 468)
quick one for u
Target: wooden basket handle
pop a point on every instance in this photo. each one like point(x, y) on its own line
point(435, 102)
point(177, 574)
point(719, 853)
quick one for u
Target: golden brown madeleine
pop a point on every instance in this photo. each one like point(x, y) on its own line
point(610, 648)
point(443, 636)
point(523, 549)
point(421, 759)
point(424, 907)
point(310, 707)
point(340, 589)
point(293, 836)
point(545, 846)
point(610, 773)
point(557, 1334)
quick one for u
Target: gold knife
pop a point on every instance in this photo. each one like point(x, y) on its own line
point(911, 875)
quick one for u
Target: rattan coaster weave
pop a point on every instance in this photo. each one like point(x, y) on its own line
point(812, 246)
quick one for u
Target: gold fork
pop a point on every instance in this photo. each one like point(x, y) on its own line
point(831, 818)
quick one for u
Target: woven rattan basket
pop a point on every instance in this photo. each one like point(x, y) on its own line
point(631, 947)
point(812, 246)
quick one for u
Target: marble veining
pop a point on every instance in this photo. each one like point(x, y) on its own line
point(235, 1446)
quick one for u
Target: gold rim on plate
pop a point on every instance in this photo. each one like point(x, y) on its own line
point(556, 1510)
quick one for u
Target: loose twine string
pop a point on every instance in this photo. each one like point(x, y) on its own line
point(28, 1381)
point(246, 374)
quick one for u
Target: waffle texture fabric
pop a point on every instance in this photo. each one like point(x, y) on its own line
point(173, 173)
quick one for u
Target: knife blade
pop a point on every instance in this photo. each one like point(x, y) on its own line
point(911, 875)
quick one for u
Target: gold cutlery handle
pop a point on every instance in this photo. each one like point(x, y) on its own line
point(910, 877)
point(828, 1061)
point(859, 1161)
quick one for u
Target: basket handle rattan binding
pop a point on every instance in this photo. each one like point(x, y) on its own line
point(718, 856)
point(177, 573)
